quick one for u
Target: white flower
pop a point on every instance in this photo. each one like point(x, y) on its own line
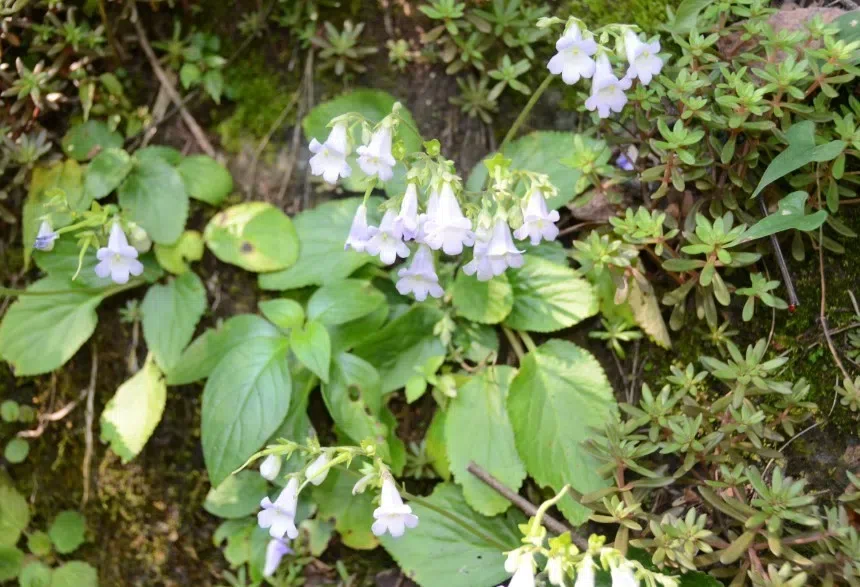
point(45, 237)
point(329, 159)
point(446, 227)
point(607, 91)
point(318, 470)
point(407, 220)
point(501, 252)
point(139, 239)
point(392, 515)
point(585, 573)
point(359, 232)
point(387, 240)
point(275, 551)
point(118, 259)
point(270, 467)
point(432, 211)
point(642, 57)
point(479, 263)
point(375, 158)
point(420, 278)
point(538, 222)
point(573, 60)
point(362, 483)
point(555, 570)
point(522, 566)
point(622, 576)
point(280, 517)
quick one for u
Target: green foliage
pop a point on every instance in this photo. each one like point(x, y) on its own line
point(67, 531)
point(255, 236)
point(237, 496)
point(170, 313)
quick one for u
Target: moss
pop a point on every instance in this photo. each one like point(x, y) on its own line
point(648, 14)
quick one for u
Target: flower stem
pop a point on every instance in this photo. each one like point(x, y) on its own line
point(530, 344)
point(525, 111)
point(515, 343)
point(107, 291)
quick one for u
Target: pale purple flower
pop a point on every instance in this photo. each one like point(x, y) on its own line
point(538, 221)
point(479, 264)
point(375, 158)
point(45, 237)
point(446, 227)
point(573, 60)
point(359, 232)
point(329, 159)
point(407, 219)
point(276, 549)
point(119, 259)
point(387, 240)
point(392, 515)
point(607, 91)
point(318, 470)
point(622, 576)
point(501, 252)
point(420, 278)
point(270, 467)
point(624, 162)
point(643, 58)
point(280, 517)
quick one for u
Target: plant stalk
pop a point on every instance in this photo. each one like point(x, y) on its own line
point(525, 111)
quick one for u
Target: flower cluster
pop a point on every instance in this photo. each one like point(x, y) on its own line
point(429, 218)
point(579, 56)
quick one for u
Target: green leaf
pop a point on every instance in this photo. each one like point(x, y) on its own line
point(403, 343)
point(374, 105)
point(205, 179)
point(801, 150)
point(346, 336)
point(255, 236)
point(283, 313)
point(353, 514)
point(40, 543)
point(441, 553)
point(67, 531)
point(207, 350)
point(686, 16)
point(189, 74)
point(167, 154)
point(559, 384)
point(647, 314)
point(39, 333)
point(245, 399)
point(177, 256)
point(35, 574)
point(16, 451)
point(213, 82)
point(170, 314)
point(344, 301)
point(130, 417)
point(541, 152)
point(44, 183)
point(849, 27)
point(10, 562)
point(486, 302)
point(548, 297)
point(105, 172)
point(477, 429)
point(436, 448)
point(62, 263)
point(154, 197)
point(75, 574)
point(237, 496)
point(312, 348)
point(791, 215)
point(322, 233)
point(14, 514)
point(85, 141)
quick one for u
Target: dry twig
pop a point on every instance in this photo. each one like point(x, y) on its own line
point(88, 427)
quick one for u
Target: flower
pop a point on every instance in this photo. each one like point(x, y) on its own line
point(585, 573)
point(118, 259)
point(607, 91)
point(573, 59)
point(329, 159)
point(392, 515)
point(280, 517)
point(407, 220)
point(318, 470)
point(45, 237)
point(139, 239)
point(387, 240)
point(362, 483)
point(270, 467)
point(624, 162)
point(521, 564)
point(479, 263)
point(275, 551)
point(501, 252)
point(622, 576)
point(420, 278)
point(538, 222)
point(432, 211)
point(555, 570)
point(445, 227)
point(642, 57)
point(375, 158)
point(359, 232)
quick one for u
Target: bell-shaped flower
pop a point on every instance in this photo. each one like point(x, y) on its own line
point(407, 218)
point(573, 59)
point(359, 232)
point(420, 278)
point(622, 576)
point(329, 158)
point(480, 265)
point(432, 211)
point(139, 239)
point(318, 470)
point(585, 573)
point(276, 549)
point(362, 484)
point(375, 158)
point(280, 517)
point(45, 237)
point(555, 570)
point(119, 259)
point(521, 564)
point(538, 221)
point(643, 58)
point(387, 240)
point(607, 91)
point(501, 252)
point(392, 515)
point(270, 467)
point(446, 227)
